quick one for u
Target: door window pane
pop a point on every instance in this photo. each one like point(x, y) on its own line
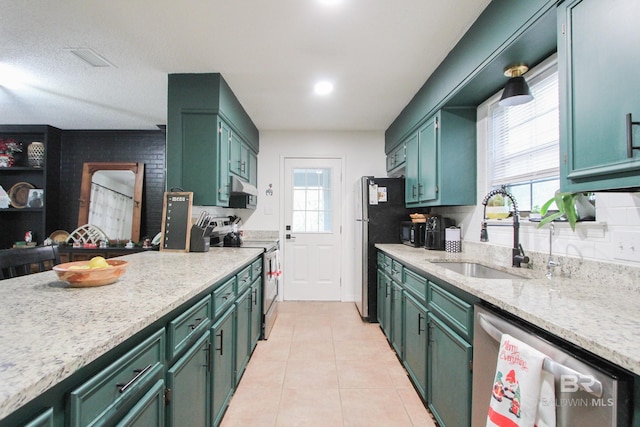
point(311, 201)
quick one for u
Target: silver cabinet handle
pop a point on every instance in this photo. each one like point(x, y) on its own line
point(139, 373)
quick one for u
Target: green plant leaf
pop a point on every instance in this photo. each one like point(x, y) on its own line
point(545, 207)
point(549, 218)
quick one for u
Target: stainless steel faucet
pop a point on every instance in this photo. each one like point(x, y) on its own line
point(552, 262)
point(517, 253)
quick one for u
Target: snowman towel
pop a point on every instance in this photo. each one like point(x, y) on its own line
point(516, 395)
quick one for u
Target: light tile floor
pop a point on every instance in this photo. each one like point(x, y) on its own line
point(322, 366)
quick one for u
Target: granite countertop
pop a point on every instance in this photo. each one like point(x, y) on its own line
point(593, 314)
point(48, 330)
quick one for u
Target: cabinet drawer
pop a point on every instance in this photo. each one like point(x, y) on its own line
point(243, 279)
point(187, 327)
point(104, 395)
point(455, 312)
point(396, 271)
point(384, 262)
point(256, 269)
point(45, 419)
point(416, 284)
point(223, 296)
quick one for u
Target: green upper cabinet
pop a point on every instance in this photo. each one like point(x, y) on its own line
point(396, 159)
point(209, 136)
point(596, 41)
point(240, 152)
point(441, 160)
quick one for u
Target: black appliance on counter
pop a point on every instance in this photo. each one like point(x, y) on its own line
point(413, 233)
point(434, 233)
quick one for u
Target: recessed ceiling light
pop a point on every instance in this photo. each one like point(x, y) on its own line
point(330, 2)
point(323, 88)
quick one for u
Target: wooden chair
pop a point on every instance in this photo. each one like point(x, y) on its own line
point(20, 262)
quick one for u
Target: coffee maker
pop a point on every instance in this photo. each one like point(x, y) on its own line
point(434, 236)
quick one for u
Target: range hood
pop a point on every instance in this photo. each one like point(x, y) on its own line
point(241, 188)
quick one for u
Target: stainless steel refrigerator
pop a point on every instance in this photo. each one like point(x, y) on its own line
point(379, 211)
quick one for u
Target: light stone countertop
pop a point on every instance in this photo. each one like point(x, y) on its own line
point(48, 330)
point(593, 314)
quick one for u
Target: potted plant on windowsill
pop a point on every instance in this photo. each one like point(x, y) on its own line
point(572, 206)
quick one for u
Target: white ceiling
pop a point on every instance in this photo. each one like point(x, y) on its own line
point(378, 53)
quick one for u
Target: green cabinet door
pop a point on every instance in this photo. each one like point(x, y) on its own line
point(449, 375)
point(45, 419)
point(397, 317)
point(243, 332)
point(222, 343)
point(239, 158)
point(415, 343)
point(412, 171)
point(189, 382)
point(148, 411)
point(205, 158)
point(396, 158)
point(597, 54)
point(441, 160)
point(388, 320)
point(256, 312)
point(428, 169)
point(380, 290)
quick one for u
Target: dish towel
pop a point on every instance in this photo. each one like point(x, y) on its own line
point(523, 394)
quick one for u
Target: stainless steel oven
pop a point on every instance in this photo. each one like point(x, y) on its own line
point(271, 276)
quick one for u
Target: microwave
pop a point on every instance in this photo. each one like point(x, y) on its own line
point(413, 233)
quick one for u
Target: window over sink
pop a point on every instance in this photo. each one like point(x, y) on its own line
point(523, 140)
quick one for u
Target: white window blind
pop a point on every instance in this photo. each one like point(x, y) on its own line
point(524, 138)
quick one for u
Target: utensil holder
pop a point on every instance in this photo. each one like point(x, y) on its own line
point(452, 240)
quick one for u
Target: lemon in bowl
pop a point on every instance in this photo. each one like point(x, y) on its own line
point(80, 274)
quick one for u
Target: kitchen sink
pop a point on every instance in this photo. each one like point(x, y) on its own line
point(479, 271)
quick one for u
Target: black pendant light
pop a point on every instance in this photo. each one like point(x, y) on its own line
point(516, 91)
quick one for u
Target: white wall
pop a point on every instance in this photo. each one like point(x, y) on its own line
point(362, 153)
point(615, 213)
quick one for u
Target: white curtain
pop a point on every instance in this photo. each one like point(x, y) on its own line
point(108, 210)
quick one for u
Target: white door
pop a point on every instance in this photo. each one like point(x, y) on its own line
point(312, 219)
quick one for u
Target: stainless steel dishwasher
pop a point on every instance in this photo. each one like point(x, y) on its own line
point(589, 390)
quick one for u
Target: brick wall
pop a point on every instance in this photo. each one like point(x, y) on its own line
point(147, 147)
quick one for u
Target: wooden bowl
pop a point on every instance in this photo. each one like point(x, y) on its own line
point(88, 277)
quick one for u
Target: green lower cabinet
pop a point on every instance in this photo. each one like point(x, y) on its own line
point(106, 397)
point(223, 358)
point(380, 290)
point(385, 304)
point(256, 312)
point(243, 332)
point(189, 382)
point(449, 375)
point(396, 317)
point(45, 419)
point(415, 343)
point(149, 411)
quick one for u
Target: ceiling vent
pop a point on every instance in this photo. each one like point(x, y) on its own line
point(91, 57)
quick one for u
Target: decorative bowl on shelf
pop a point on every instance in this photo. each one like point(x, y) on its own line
point(79, 275)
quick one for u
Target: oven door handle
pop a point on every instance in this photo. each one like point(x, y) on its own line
point(586, 382)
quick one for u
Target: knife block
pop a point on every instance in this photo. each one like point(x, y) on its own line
point(200, 240)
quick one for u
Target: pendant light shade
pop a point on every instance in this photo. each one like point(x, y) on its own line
point(516, 91)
